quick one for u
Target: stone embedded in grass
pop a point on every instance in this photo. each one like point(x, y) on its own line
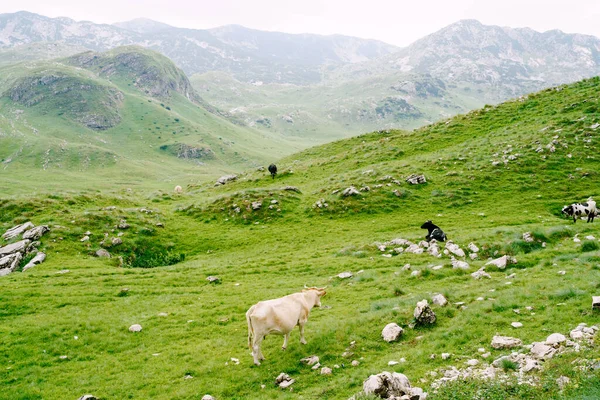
point(458, 264)
point(316, 366)
point(135, 328)
point(355, 363)
point(562, 272)
point(516, 324)
point(225, 179)
point(596, 302)
point(445, 356)
point(391, 332)
point(556, 339)
point(17, 247)
point(416, 179)
point(38, 259)
point(310, 360)
point(480, 273)
point(345, 275)
point(326, 371)
point(284, 380)
point(102, 253)
point(505, 342)
point(527, 237)
point(84, 239)
point(350, 191)
point(392, 363)
point(36, 233)
point(440, 300)
point(542, 351)
point(415, 273)
point(454, 249)
point(562, 382)
point(213, 279)
point(499, 263)
point(473, 248)
point(472, 362)
point(256, 205)
point(391, 385)
point(423, 314)
point(123, 224)
point(116, 241)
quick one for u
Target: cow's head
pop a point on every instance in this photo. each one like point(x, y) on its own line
point(320, 292)
point(568, 210)
point(427, 225)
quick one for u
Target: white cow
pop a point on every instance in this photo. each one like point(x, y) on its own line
point(279, 317)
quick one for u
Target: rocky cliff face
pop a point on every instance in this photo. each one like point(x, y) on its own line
point(247, 54)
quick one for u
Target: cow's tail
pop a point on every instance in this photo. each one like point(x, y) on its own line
point(250, 328)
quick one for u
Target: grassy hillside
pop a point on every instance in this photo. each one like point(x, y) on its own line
point(117, 116)
point(492, 175)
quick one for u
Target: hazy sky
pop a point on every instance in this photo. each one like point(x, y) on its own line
point(397, 22)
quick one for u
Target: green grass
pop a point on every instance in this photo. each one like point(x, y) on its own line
point(273, 253)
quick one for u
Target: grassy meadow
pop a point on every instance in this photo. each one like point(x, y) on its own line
point(84, 314)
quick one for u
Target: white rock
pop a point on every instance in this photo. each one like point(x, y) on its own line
point(480, 273)
point(17, 230)
point(555, 339)
point(440, 300)
point(473, 256)
point(542, 351)
point(310, 360)
point(391, 363)
point(423, 314)
point(212, 279)
point(17, 247)
point(472, 247)
point(457, 264)
point(135, 328)
point(445, 356)
point(415, 273)
point(351, 191)
point(387, 385)
point(316, 366)
point(36, 233)
point(391, 332)
point(505, 342)
point(345, 275)
point(473, 362)
point(595, 301)
point(454, 249)
point(225, 179)
point(562, 272)
point(38, 259)
point(414, 248)
point(562, 382)
point(355, 363)
point(499, 263)
point(326, 371)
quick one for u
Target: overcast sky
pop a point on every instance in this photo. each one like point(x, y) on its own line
point(397, 22)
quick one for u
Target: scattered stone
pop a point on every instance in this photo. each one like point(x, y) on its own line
point(351, 191)
point(38, 259)
point(527, 237)
point(596, 302)
point(423, 314)
point(392, 363)
point(213, 279)
point(17, 247)
point(116, 241)
point(316, 366)
point(284, 380)
point(480, 273)
point(542, 351)
point(9, 263)
point(291, 189)
point(516, 325)
point(326, 371)
point(388, 385)
point(406, 267)
point(123, 224)
point(84, 239)
point(135, 328)
point(36, 233)
point(445, 356)
point(415, 273)
point(500, 263)
point(345, 275)
point(391, 332)
point(472, 362)
point(440, 300)
point(17, 230)
point(310, 360)
point(562, 272)
point(458, 264)
point(355, 363)
point(556, 339)
point(505, 342)
point(589, 237)
point(387, 255)
point(235, 360)
point(416, 179)
point(454, 249)
point(414, 248)
point(225, 179)
point(102, 253)
point(472, 247)
point(256, 205)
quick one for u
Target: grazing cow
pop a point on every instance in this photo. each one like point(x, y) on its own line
point(178, 189)
point(576, 210)
point(434, 232)
point(273, 170)
point(279, 317)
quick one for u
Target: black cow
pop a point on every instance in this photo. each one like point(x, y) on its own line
point(273, 170)
point(434, 232)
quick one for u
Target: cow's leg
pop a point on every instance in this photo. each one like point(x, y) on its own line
point(301, 325)
point(256, 352)
point(286, 337)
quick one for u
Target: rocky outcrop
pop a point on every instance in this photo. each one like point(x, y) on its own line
point(12, 254)
point(505, 342)
point(423, 313)
point(17, 230)
point(38, 259)
point(392, 385)
point(415, 179)
point(225, 179)
point(391, 332)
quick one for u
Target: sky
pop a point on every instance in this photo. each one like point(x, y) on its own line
point(396, 22)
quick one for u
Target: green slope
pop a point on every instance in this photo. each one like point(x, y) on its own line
point(117, 116)
point(549, 142)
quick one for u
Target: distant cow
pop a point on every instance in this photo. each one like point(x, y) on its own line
point(434, 232)
point(178, 189)
point(576, 210)
point(273, 170)
point(279, 317)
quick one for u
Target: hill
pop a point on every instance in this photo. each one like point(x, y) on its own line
point(496, 177)
point(127, 113)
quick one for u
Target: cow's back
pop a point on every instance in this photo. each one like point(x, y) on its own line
point(277, 315)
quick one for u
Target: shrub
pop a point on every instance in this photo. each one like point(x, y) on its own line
point(507, 365)
point(589, 245)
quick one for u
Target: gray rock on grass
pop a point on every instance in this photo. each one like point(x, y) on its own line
point(391, 332)
point(17, 230)
point(38, 259)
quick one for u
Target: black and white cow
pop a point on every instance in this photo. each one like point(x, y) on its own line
point(576, 210)
point(434, 232)
point(273, 170)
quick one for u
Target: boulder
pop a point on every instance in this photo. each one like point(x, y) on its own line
point(454, 249)
point(284, 380)
point(9, 263)
point(440, 300)
point(310, 360)
point(102, 253)
point(36, 233)
point(542, 351)
point(38, 259)
point(135, 328)
point(416, 179)
point(325, 371)
point(556, 339)
point(17, 230)
point(123, 224)
point(387, 384)
point(480, 273)
point(499, 263)
point(256, 205)
point(505, 342)
point(414, 248)
point(423, 314)
point(17, 247)
point(473, 248)
point(458, 264)
point(225, 179)
point(391, 332)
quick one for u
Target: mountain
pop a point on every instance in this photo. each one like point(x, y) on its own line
point(128, 109)
point(245, 53)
